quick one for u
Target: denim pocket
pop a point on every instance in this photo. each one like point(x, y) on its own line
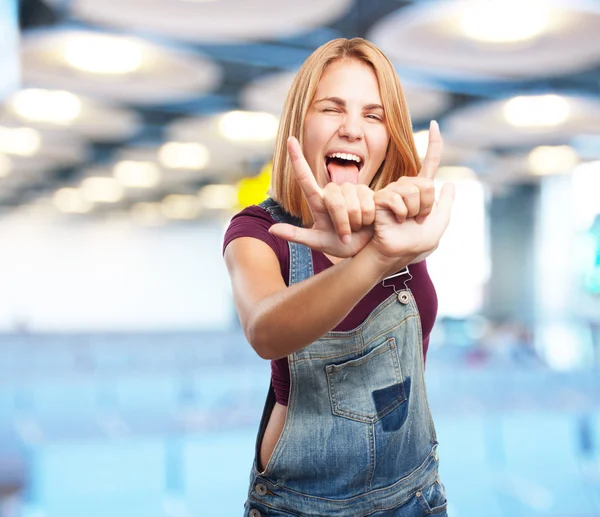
point(368, 387)
point(433, 499)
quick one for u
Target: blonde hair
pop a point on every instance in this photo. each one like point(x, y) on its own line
point(401, 158)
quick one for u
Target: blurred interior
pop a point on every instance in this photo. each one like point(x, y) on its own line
point(132, 130)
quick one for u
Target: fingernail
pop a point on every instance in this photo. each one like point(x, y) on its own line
point(346, 239)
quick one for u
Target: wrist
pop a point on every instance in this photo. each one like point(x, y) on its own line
point(384, 266)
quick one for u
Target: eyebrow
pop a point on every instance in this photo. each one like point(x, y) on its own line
point(342, 102)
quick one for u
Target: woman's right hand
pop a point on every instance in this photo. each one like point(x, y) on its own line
point(399, 240)
point(343, 215)
point(398, 244)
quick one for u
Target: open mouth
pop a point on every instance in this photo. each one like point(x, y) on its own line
point(343, 167)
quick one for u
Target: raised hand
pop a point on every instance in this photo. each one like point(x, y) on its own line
point(414, 196)
point(411, 239)
point(408, 221)
point(343, 215)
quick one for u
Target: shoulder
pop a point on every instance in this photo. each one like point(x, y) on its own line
point(251, 215)
point(255, 222)
point(250, 220)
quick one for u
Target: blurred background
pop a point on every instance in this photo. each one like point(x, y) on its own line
point(132, 130)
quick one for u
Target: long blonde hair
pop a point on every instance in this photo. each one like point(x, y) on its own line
point(401, 158)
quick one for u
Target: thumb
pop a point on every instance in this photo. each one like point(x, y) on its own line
point(445, 202)
point(446, 198)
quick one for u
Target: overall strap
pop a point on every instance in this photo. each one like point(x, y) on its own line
point(301, 264)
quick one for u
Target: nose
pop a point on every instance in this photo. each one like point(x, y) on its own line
point(351, 128)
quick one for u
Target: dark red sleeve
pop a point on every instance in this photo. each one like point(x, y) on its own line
point(255, 222)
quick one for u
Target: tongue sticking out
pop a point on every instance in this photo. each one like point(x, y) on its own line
point(343, 172)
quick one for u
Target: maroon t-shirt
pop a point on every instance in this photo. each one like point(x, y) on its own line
point(255, 222)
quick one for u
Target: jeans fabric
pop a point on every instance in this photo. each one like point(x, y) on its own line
point(359, 439)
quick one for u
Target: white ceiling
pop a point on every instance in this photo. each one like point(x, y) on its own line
point(212, 20)
point(427, 37)
point(200, 59)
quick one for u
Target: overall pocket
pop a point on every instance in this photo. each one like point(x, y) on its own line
point(369, 387)
point(433, 499)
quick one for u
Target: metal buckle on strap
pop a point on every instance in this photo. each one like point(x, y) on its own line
point(402, 272)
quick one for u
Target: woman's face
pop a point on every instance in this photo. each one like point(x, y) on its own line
point(345, 131)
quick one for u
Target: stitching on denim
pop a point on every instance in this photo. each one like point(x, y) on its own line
point(381, 349)
point(425, 504)
point(421, 361)
point(390, 300)
point(263, 503)
point(356, 350)
point(386, 331)
point(372, 459)
point(330, 370)
point(287, 426)
point(352, 501)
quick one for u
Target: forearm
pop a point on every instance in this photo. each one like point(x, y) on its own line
point(292, 318)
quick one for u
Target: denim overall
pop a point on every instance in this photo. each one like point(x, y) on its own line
point(358, 439)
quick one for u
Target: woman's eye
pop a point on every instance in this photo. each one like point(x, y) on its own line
point(375, 117)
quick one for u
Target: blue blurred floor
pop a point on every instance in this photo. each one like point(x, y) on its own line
point(165, 426)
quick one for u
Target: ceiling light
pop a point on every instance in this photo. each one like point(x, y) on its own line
point(536, 111)
point(249, 126)
point(184, 155)
point(71, 200)
point(504, 22)
point(22, 141)
point(103, 54)
point(57, 107)
point(137, 174)
point(552, 159)
point(218, 197)
point(5, 165)
point(102, 190)
point(179, 206)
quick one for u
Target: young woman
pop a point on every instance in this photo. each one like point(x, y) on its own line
point(330, 284)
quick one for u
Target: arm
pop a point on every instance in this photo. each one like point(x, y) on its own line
point(278, 320)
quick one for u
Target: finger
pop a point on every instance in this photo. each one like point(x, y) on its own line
point(427, 191)
point(292, 233)
point(350, 193)
point(335, 205)
point(393, 201)
point(304, 175)
point(411, 195)
point(444, 205)
point(367, 204)
point(440, 216)
point(433, 155)
point(426, 188)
